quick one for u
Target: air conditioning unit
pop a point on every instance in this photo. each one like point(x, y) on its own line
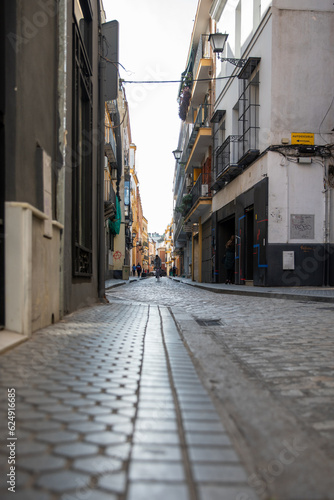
point(205, 189)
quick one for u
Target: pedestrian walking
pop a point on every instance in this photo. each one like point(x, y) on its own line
point(229, 259)
point(134, 269)
point(174, 271)
point(138, 270)
point(157, 266)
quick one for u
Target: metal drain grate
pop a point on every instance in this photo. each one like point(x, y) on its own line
point(208, 322)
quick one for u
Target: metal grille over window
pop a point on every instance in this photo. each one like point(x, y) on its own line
point(249, 112)
point(82, 140)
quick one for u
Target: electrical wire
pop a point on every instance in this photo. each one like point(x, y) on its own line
point(324, 118)
point(180, 81)
point(160, 81)
point(114, 64)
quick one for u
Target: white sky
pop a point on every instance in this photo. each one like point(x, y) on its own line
point(153, 45)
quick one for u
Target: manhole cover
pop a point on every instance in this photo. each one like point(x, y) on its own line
point(208, 322)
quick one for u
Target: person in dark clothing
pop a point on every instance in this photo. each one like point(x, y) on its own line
point(157, 266)
point(229, 259)
point(138, 270)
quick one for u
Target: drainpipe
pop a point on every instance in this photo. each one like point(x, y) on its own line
point(62, 141)
point(192, 257)
point(200, 250)
point(327, 227)
point(100, 175)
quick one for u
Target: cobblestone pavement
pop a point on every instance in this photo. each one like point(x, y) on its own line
point(107, 405)
point(269, 365)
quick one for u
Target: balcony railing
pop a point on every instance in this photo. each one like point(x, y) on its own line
point(203, 52)
point(201, 189)
point(178, 231)
point(109, 200)
point(110, 145)
point(227, 155)
point(202, 120)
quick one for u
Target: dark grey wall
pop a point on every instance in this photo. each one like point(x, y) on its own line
point(310, 265)
point(11, 94)
point(32, 96)
point(79, 292)
point(2, 161)
point(32, 120)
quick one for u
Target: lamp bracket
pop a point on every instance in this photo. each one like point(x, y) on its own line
point(236, 62)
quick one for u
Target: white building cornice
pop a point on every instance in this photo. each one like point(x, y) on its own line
point(217, 9)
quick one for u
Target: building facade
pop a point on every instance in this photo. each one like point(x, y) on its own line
point(192, 179)
point(111, 201)
point(168, 244)
point(151, 253)
point(139, 222)
point(271, 139)
point(122, 225)
point(145, 261)
point(53, 184)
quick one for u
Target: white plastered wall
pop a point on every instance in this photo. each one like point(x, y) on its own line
point(32, 269)
point(294, 189)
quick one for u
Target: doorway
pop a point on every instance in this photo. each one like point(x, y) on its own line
point(249, 234)
point(226, 229)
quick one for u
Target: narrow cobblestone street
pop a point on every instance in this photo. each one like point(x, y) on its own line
point(170, 392)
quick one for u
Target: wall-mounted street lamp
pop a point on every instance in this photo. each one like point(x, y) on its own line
point(217, 42)
point(177, 154)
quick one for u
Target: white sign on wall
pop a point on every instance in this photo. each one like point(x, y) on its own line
point(288, 261)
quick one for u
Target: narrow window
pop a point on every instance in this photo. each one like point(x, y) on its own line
point(249, 108)
point(82, 139)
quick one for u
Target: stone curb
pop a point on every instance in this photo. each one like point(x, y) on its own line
point(258, 293)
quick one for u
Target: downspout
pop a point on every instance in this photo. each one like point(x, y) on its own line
point(62, 140)
point(100, 174)
point(200, 243)
point(327, 200)
point(192, 258)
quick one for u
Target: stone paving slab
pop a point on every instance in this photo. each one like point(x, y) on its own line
point(107, 405)
point(269, 365)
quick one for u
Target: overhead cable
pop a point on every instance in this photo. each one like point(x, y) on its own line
point(179, 81)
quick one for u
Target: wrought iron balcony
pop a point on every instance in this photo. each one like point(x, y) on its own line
point(226, 161)
point(203, 52)
point(200, 138)
point(201, 188)
point(110, 146)
point(201, 121)
point(179, 234)
point(202, 71)
point(200, 198)
point(109, 200)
